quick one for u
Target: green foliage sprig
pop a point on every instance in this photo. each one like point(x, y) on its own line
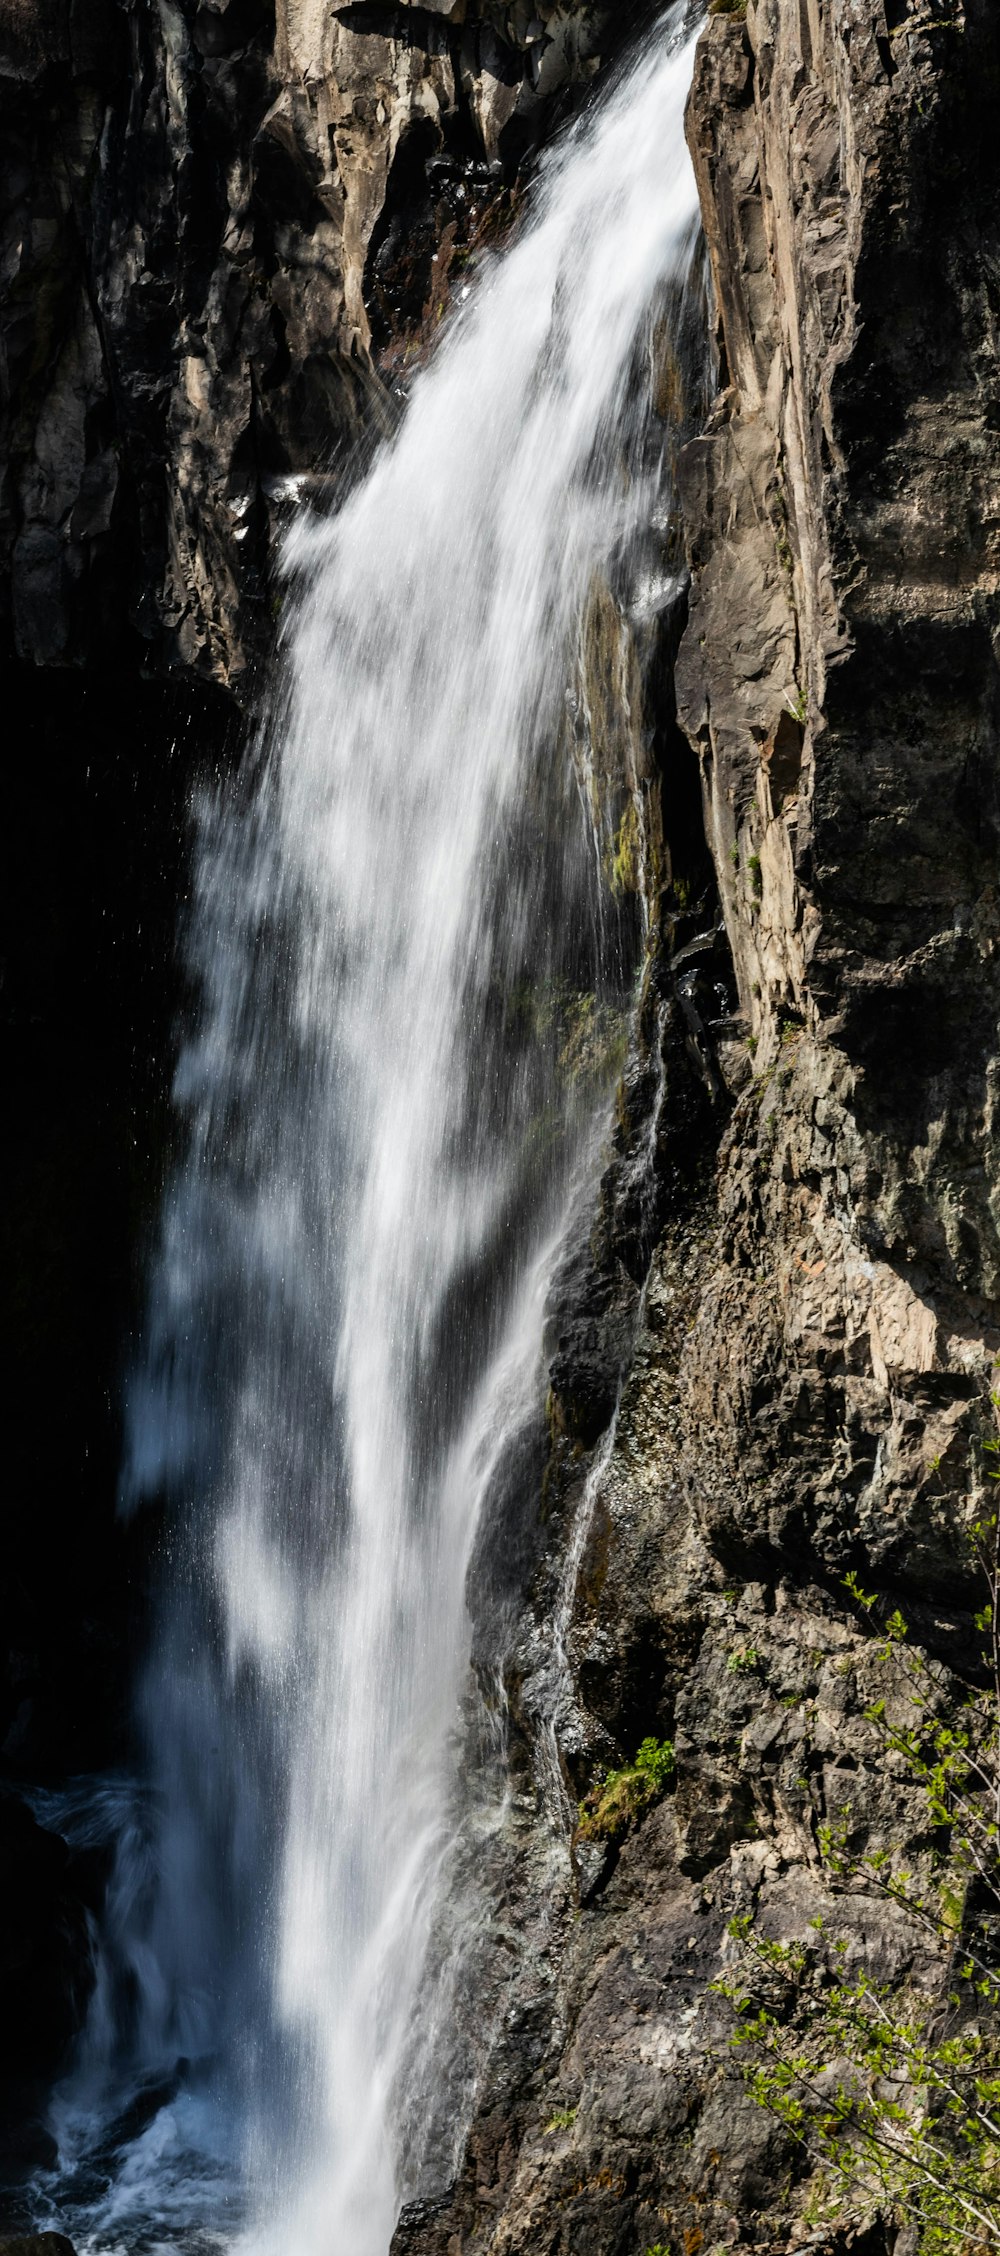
point(743, 1660)
point(899, 2115)
point(623, 1796)
point(562, 2120)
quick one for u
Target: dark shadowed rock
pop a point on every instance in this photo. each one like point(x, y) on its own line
point(36, 2244)
point(207, 222)
point(45, 1975)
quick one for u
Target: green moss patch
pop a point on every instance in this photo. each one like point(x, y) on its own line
point(620, 1799)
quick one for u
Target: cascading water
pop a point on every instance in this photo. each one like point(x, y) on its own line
point(412, 1001)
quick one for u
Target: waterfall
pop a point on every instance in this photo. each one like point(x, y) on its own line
point(413, 983)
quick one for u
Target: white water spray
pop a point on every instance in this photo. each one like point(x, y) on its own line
point(402, 1064)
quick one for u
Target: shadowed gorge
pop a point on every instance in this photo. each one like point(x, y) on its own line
point(411, 1008)
point(502, 1309)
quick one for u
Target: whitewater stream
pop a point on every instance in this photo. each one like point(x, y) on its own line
point(413, 985)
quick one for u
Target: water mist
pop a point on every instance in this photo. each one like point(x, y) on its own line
point(412, 983)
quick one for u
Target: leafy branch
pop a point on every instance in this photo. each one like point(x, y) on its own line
point(897, 2096)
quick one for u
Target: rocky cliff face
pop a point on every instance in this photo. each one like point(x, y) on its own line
point(219, 229)
point(208, 210)
point(842, 512)
point(810, 1387)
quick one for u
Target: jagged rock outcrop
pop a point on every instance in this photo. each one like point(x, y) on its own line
point(810, 1389)
point(843, 513)
point(203, 208)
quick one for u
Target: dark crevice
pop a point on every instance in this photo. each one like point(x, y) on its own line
point(96, 853)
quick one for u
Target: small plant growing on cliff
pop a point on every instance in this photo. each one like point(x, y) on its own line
point(620, 1799)
point(896, 2095)
point(743, 1661)
point(563, 2120)
point(737, 8)
point(798, 707)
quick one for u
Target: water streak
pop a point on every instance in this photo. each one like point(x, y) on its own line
point(412, 999)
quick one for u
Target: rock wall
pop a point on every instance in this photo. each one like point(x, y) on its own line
point(843, 511)
point(204, 205)
point(809, 1391)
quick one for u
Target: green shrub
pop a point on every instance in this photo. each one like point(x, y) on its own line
point(620, 1799)
point(743, 1660)
point(893, 2092)
point(562, 2120)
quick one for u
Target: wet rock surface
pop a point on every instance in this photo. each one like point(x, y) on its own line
point(36, 2244)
